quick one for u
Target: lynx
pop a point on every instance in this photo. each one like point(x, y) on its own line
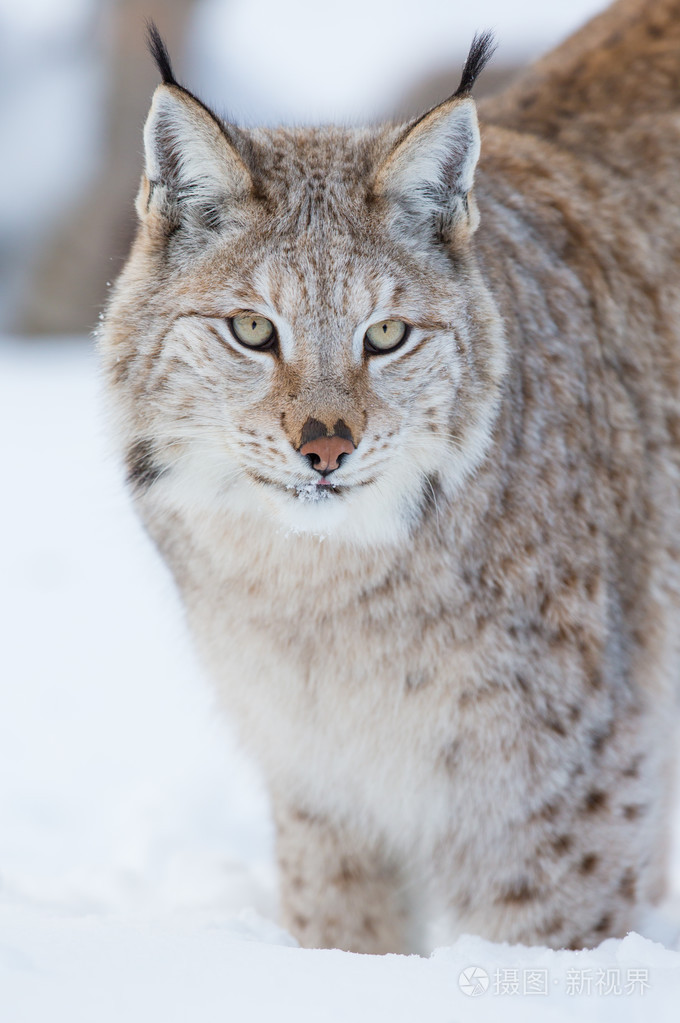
point(401, 411)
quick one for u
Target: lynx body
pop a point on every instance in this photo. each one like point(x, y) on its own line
point(454, 654)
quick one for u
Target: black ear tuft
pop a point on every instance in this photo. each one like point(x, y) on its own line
point(159, 52)
point(482, 50)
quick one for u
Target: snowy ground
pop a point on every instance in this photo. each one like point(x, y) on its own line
point(136, 875)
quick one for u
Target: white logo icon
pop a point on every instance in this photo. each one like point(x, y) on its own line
point(473, 981)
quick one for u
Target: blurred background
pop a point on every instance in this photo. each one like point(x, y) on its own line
point(121, 792)
point(76, 81)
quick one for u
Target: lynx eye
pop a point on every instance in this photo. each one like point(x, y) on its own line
point(385, 336)
point(253, 330)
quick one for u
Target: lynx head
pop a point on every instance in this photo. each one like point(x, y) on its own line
point(301, 332)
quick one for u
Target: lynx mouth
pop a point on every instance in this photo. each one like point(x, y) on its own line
point(316, 490)
point(309, 492)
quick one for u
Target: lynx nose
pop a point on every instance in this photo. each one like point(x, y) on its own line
point(324, 453)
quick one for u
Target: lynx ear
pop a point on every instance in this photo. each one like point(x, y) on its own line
point(192, 170)
point(429, 173)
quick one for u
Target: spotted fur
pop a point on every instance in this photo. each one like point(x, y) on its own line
point(457, 666)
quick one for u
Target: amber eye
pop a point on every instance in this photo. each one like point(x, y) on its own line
point(253, 330)
point(385, 336)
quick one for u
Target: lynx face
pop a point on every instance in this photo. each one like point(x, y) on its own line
point(301, 331)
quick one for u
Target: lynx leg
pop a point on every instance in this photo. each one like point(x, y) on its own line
point(593, 860)
point(335, 891)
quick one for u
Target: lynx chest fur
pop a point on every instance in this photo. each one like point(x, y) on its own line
point(404, 423)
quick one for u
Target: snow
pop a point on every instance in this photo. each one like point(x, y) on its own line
point(114, 973)
point(311, 492)
point(136, 868)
